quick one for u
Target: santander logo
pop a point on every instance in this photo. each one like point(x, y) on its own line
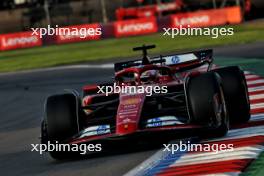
point(137, 27)
point(7, 42)
point(192, 20)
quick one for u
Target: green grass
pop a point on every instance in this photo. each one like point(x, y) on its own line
point(253, 65)
point(256, 168)
point(117, 48)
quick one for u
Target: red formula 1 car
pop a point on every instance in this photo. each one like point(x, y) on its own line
point(187, 95)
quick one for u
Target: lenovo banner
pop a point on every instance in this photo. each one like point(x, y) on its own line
point(78, 33)
point(19, 40)
point(205, 18)
point(135, 27)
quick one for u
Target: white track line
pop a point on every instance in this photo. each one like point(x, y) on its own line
point(149, 163)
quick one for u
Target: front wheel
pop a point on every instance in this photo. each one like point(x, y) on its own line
point(61, 121)
point(206, 103)
point(236, 91)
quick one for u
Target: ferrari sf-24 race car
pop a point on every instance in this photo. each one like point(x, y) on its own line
point(199, 97)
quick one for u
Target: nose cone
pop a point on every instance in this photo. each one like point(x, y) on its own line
point(128, 113)
point(127, 128)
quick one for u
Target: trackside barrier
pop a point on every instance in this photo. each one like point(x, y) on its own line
point(234, 15)
point(19, 40)
point(91, 33)
point(117, 29)
point(206, 18)
point(135, 27)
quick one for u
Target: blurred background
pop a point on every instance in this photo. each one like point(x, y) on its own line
point(123, 23)
point(38, 67)
point(20, 15)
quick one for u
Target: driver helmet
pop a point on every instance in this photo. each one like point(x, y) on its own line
point(151, 75)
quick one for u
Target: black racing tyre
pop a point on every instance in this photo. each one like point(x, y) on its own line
point(206, 104)
point(62, 120)
point(62, 116)
point(236, 92)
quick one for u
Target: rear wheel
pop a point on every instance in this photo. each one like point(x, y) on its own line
point(236, 91)
point(206, 104)
point(61, 121)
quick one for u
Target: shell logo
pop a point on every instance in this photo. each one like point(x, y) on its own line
point(131, 101)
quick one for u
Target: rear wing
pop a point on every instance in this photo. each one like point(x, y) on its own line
point(171, 60)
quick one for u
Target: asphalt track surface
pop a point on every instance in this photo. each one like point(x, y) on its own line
point(22, 98)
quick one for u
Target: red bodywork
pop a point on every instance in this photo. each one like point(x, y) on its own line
point(130, 105)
